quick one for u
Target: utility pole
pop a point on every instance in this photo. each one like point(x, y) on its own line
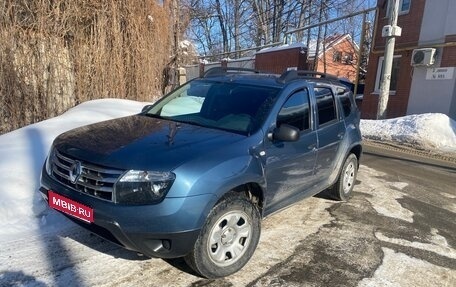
point(390, 32)
point(317, 48)
point(360, 52)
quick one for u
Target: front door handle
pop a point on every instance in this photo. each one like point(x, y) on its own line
point(312, 147)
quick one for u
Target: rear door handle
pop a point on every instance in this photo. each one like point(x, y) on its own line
point(340, 135)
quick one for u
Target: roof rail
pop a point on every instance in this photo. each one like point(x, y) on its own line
point(220, 71)
point(300, 74)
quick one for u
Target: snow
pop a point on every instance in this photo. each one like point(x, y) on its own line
point(22, 154)
point(25, 215)
point(282, 47)
point(434, 132)
point(188, 48)
point(385, 200)
point(399, 269)
point(185, 44)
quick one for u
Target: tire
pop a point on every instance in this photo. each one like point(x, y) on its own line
point(228, 239)
point(342, 189)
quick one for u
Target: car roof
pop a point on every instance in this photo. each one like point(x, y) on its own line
point(254, 77)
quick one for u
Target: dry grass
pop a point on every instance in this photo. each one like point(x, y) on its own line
point(56, 54)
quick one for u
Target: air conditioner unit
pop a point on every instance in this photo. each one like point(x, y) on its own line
point(423, 57)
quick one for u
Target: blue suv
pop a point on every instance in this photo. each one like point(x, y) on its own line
point(193, 174)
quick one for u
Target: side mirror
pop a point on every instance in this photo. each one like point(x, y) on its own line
point(145, 108)
point(285, 133)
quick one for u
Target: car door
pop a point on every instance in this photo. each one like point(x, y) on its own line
point(330, 132)
point(289, 166)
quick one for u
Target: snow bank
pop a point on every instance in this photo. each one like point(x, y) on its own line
point(22, 154)
point(435, 132)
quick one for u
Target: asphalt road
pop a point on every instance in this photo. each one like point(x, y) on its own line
point(399, 229)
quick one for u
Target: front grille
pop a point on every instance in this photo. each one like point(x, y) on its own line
point(93, 180)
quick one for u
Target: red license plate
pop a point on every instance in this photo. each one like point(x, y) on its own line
point(70, 207)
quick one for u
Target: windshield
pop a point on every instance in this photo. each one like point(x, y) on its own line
point(228, 106)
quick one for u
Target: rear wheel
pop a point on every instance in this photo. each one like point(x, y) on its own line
point(342, 189)
point(228, 238)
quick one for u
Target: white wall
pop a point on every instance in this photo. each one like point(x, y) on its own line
point(436, 19)
point(431, 96)
point(434, 96)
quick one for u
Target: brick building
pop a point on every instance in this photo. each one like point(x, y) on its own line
point(339, 56)
point(423, 76)
point(280, 59)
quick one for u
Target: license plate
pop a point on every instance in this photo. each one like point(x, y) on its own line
point(70, 207)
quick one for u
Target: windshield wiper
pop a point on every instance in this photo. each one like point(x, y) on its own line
point(187, 122)
point(154, 116)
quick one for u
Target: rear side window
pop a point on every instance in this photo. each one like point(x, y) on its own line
point(295, 112)
point(346, 99)
point(326, 105)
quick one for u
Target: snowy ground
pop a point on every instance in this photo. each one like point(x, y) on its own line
point(26, 218)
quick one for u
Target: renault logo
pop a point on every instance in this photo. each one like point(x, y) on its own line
point(75, 171)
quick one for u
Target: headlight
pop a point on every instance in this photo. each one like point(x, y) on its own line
point(143, 187)
point(49, 161)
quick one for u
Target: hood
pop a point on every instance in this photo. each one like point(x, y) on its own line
point(141, 142)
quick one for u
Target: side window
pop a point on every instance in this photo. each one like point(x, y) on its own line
point(326, 105)
point(295, 112)
point(344, 97)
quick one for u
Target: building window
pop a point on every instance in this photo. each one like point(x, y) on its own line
point(337, 56)
point(404, 7)
point(394, 74)
point(348, 58)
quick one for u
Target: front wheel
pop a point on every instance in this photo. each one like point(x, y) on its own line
point(342, 189)
point(228, 238)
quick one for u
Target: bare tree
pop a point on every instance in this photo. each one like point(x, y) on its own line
point(222, 23)
point(231, 25)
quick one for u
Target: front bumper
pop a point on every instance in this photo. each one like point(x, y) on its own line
point(165, 230)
